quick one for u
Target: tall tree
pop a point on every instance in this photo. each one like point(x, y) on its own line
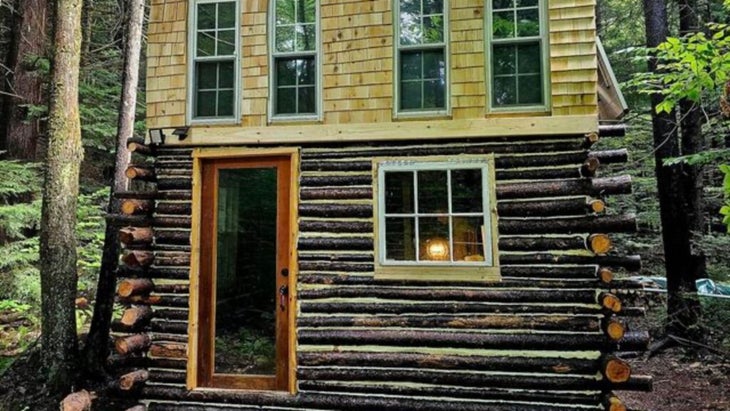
point(97, 344)
point(25, 86)
point(682, 306)
point(60, 190)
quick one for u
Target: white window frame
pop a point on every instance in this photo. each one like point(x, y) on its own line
point(544, 43)
point(273, 55)
point(438, 270)
point(192, 60)
point(410, 113)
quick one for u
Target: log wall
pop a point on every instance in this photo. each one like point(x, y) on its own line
point(542, 338)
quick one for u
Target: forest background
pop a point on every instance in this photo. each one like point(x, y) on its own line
point(25, 75)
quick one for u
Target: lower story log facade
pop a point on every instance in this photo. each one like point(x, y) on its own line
point(444, 275)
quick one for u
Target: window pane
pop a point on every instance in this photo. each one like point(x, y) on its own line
point(306, 71)
point(503, 60)
point(505, 91)
point(433, 238)
point(206, 44)
point(410, 63)
point(225, 103)
point(399, 192)
point(528, 23)
point(226, 15)
point(503, 25)
point(526, 3)
point(206, 16)
point(433, 64)
point(205, 104)
point(286, 100)
point(306, 37)
point(410, 95)
point(306, 100)
point(207, 76)
point(502, 4)
point(433, 94)
point(432, 191)
point(468, 241)
point(466, 190)
point(433, 28)
point(306, 11)
point(226, 42)
point(529, 58)
point(433, 6)
point(400, 234)
point(410, 29)
point(225, 75)
point(530, 89)
point(286, 72)
point(410, 6)
point(284, 12)
point(285, 38)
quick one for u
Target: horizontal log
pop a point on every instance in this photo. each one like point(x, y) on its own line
point(175, 183)
point(630, 263)
point(174, 208)
point(129, 380)
point(136, 317)
point(172, 163)
point(167, 376)
point(542, 243)
point(172, 314)
point(171, 288)
point(177, 273)
point(155, 195)
point(173, 327)
point(164, 300)
point(344, 226)
point(171, 236)
point(544, 207)
point(138, 258)
point(132, 236)
point(581, 224)
point(612, 130)
point(335, 243)
point(443, 308)
point(538, 173)
point(132, 206)
point(172, 172)
point(338, 193)
point(585, 186)
point(336, 180)
point(611, 156)
point(168, 349)
point(459, 339)
point(119, 362)
point(472, 321)
point(549, 271)
point(147, 221)
point(336, 210)
point(635, 383)
point(134, 286)
point(140, 172)
point(172, 258)
point(138, 147)
point(131, 344)
point(596, 206)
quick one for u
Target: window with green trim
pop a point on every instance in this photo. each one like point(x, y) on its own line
point(294, 58)
point(421, 55)
point(215, 54)
point(516, 31)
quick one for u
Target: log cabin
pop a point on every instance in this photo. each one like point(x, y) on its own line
point(375, 205)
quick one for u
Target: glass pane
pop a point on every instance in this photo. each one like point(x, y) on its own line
point(285, 38)
point(306, 100)
point(306, 71)
point(433, 6)
point(410, 6)
point(306, 12)
point(432, 191)
point(527, 3)
point(206, 16)
point(410, 29)
point(400, 234)
point(410, 95)
point(306, 37)
point(205, 104)
point(410, 65)
point(399, 192)
point(286, 100)
point(502, 4)
point(503, 25)
point(206, 43)
point(207, 75)
point(530, 89)
point(468, 241)
point(528, 56)
point(466, 190)
point(505, 91)
point(284, 12)
point(433, 28)
point(225, 75)
point(528, 23)
point(433, 238)
point(503, 61)
point(226, 42)
point(433, 94)
point(433, 65)
point(225, 103)
point(246, 295)
point(226, 15)
point(286, 72)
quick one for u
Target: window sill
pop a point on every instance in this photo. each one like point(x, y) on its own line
point(229, 121)
point(422, 115)
point(438, 273)
point(295, 120)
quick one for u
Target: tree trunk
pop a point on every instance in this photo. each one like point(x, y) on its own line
point(31, 29)
point(682, 306)
point(98, 340)
point(60, 191)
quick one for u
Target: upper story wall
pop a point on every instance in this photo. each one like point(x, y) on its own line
point(357, 72)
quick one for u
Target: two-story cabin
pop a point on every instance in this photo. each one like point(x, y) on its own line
point(374, 205)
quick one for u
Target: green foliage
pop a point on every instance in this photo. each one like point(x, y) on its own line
point(20, 180)
point(19, 220)
point(725, 210)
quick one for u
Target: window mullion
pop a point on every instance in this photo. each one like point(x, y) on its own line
point(451, 215)
point(417, 219)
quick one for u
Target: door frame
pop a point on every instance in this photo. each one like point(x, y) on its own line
point(197, 375)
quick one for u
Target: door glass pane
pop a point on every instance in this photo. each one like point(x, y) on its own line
point(245, 272)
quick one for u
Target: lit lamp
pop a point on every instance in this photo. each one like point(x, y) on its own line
point(437, 249)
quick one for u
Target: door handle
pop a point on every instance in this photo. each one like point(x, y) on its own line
point(283, 294)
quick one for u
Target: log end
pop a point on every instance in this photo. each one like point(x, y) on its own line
point(599, 243)
point(597, 206)
point(605, 275)
point(78, 401)
point(616, 370)
point(128, 381)
point(615, 330)
point(613, 403)
point(610, 302)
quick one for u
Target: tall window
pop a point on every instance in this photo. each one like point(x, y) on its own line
point(295, 40)
point(421, 55)
point(516, 31)
point(215, 51)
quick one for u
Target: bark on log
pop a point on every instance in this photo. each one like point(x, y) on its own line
point(138, 258)
point(132, 236)
point(631, 262)
point(611, 156)
point(132, 344)
point(172, 258)
point(171, 236)
point(176, 273)
point(581, 224)
point(339, 193)
point(635, 383)
point(182, 222)
point(543, 207)
point(139, 148)
point(174, 208)
point(136, 317)
point(612, 130)
point(542, 243)
point(78, 401)
point(336, 210)
point(134, 286)
point(168, 350)
point(140, 172)
point(129, 380)
point(137, 207)
point(177, 183)
point(538, 173)
point(171, 288)
point(593, 187)
point(156, 195)
point(163, 300)
point(615, 370)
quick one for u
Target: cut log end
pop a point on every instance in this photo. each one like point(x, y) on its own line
point(613, 403)
point(78, 401)
point(616, 370)
point(131, 344)
point(610, 302)
point(136, 315)
point(134, 286)
point(135, 207)
point(615, 330)
point(599, 243)
point(592, 138)
point(597, 206)
point(135, 235)
point(137, 258)
point(605, 275)
point(128, 381)
point(589, 167)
